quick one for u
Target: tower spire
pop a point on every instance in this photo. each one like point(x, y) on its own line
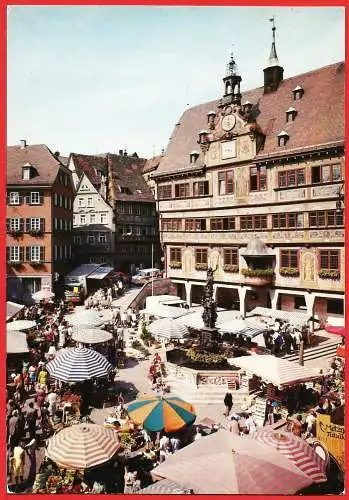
point(273, 58)
point(232, 81)
point(231, 66)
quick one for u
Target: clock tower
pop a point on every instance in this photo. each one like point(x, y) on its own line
point(232, 82)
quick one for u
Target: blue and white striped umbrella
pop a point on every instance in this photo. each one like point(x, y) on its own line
point(76, 364)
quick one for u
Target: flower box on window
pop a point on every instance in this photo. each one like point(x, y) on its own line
point(258, 277)
point(36, 263)
point(201, 266)
point(15, 232)
point(230, 268)
point(36, 232)
point(290, 272)
point(175, 264)
point(327, 274)
point(15, 263)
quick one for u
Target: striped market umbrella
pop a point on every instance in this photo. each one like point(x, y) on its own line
point(75, 364)
point(19, 325)
point(297, 450)
point(156, 413)
point(224, 463)
point(168, 328)
point(83, 445)
point(91, 336)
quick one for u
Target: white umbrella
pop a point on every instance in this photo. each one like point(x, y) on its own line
point(42, 295)
point(16, 342)
point(91, 336)
point(85, 319)
point(168, 328)
point(19, 325)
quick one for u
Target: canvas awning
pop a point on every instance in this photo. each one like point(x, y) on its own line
point(194, 319)
point(164, 311)
point(100, 273)
point(296, 318)
point(16, 342)
point(242, 327)
point(277, 371)
point(12, 308)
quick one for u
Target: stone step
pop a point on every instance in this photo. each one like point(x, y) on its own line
point(324, 351)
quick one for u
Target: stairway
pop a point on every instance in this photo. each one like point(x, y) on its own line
point(324, 350)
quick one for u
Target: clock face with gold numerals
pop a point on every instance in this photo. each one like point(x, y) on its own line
point(228, 122)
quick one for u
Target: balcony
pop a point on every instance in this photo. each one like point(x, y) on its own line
point(258, 277)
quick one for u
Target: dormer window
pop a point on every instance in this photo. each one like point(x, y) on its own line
point(298, 93)
point(283, 137)
point(211, 115)
point(27, 171)
point(203, 137)
point(247, 106)
point(194, 155)
point(291, 114)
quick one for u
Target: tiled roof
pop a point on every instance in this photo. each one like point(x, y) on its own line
point(152, 164)
point(127, 180)
point(89, 164)
point(37, 155)
point(319, 120)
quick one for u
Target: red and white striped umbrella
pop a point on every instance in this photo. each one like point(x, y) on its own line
point(83, 445)
point(297, 450)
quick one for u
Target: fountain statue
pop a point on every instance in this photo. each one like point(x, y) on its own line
point(209, 337)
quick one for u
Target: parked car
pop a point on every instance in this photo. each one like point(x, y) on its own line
point(144, 275)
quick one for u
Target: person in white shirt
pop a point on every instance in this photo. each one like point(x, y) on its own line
point(310, 421)
point(251, 425)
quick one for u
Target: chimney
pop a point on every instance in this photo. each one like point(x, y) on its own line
point(121, 152)
point(23, 143)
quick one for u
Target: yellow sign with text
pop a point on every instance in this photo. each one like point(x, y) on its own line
point(332, 436)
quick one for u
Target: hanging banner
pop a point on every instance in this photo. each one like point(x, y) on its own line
point(332, 437)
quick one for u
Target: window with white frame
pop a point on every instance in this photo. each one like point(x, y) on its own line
point(92, 218)
point(55, 252)
point(35, 224)
point(91, 239)
point(77, 239)
point(15, 224)
point(89, 202)
point(61, 222)
point(35, 198)
point(34, 253)
point(82, 219)
point(26, 173)
point(81, 202)
point(104, 218)
point(74, 220)
point(14, 198)
point(102, 238)
point(14, 254)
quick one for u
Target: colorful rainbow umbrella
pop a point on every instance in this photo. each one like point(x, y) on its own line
point(156, 413)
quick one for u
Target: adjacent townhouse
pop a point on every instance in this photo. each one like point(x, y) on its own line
point(39, 221)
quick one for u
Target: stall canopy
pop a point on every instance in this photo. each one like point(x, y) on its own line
point(164, 487)
point(296, 318)
point(164, 311)
point(194, 319)
point(12, 308)
point(242, 327)
point(336, 326)
point(16, 342)
point(277, 371)
point(100, 273)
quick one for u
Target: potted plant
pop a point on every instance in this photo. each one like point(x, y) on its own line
point(200, 266)
point(36, 263)
point(327, 274)
point(15, 232)
point(174, 264)
point(289, 271)
point(258, 277)
point(230, 268)
point(15, 263)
